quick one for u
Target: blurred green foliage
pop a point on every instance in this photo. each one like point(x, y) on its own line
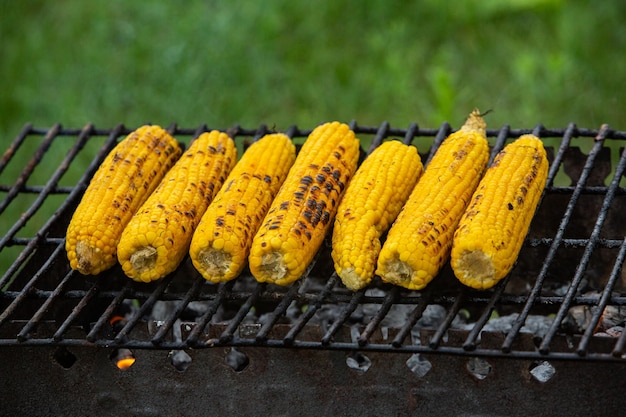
point(285, 62)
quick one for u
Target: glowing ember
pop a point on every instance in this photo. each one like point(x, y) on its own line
point(123, 359)
point(125, 363)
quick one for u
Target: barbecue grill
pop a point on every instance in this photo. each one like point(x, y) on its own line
point(547, 339)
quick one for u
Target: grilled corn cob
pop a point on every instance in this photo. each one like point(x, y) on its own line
point(221, 243)
point(302, 212)
point(126, 177)
point(494, 226)
point(419, 241)
point(372, 201)
point(158, 235)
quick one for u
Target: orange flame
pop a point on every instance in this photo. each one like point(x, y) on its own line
point(123, 359)
point(125, 363)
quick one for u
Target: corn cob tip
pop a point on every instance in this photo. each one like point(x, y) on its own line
point(273, 265)
point(144, 260)
point(476, 269)
point(475, 123)
point(89, 259)
point(213, 263)
point(402, 274)
point(352, 280)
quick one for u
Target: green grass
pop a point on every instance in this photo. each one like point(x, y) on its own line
point(284, 62)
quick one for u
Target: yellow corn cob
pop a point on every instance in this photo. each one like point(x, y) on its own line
point(158, 236)
point(372, 201)
point(419, 241)
point(221, 243)
point(494, 226)
point(305, 205)
point(127, 176)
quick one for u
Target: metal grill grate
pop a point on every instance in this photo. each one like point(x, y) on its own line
point(570, 267)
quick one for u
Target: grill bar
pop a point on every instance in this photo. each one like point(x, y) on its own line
point(84, 302)
point(435, 341)
point(144, 309)
point(470, 342)
point(378, 318)
point(278, 312)
point(38, 316)
point(582, 265)
point(203, 321)
point(604, 300)
point(46, 304)
point(228, 334)
point(312, 308)
point(180, 307)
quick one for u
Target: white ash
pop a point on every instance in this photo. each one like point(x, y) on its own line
point(359, 362)
point(611, 332)
point(478, 367)
point(543, 372)
point(536, 325)
point(418, 365)
point(579, 318)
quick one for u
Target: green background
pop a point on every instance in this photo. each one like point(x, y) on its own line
point(284, 62)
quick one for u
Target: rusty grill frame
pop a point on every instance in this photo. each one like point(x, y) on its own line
point(203, 335)
point(49, 312)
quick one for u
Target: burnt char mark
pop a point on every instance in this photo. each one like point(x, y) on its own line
point(325, 217)
point(298, 195)
point(284, 205)
point(220, 221)
point(301, 225)
point(190, 213)
point(306, 180)
point(336, 174)
point(267, 179)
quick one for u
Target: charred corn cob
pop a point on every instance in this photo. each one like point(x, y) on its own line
point(158, 236)
point(127, 176)
point(305, 205)
point(419, 241)
point(494, 226)
point(372, 201)
point(221, 243)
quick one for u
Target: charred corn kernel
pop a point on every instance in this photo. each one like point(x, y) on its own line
point(492, 230)
point(419, 241)
point(221, 243)
point(157, 237)
point(302, 211)
point(372, 201)
point(126, 177)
